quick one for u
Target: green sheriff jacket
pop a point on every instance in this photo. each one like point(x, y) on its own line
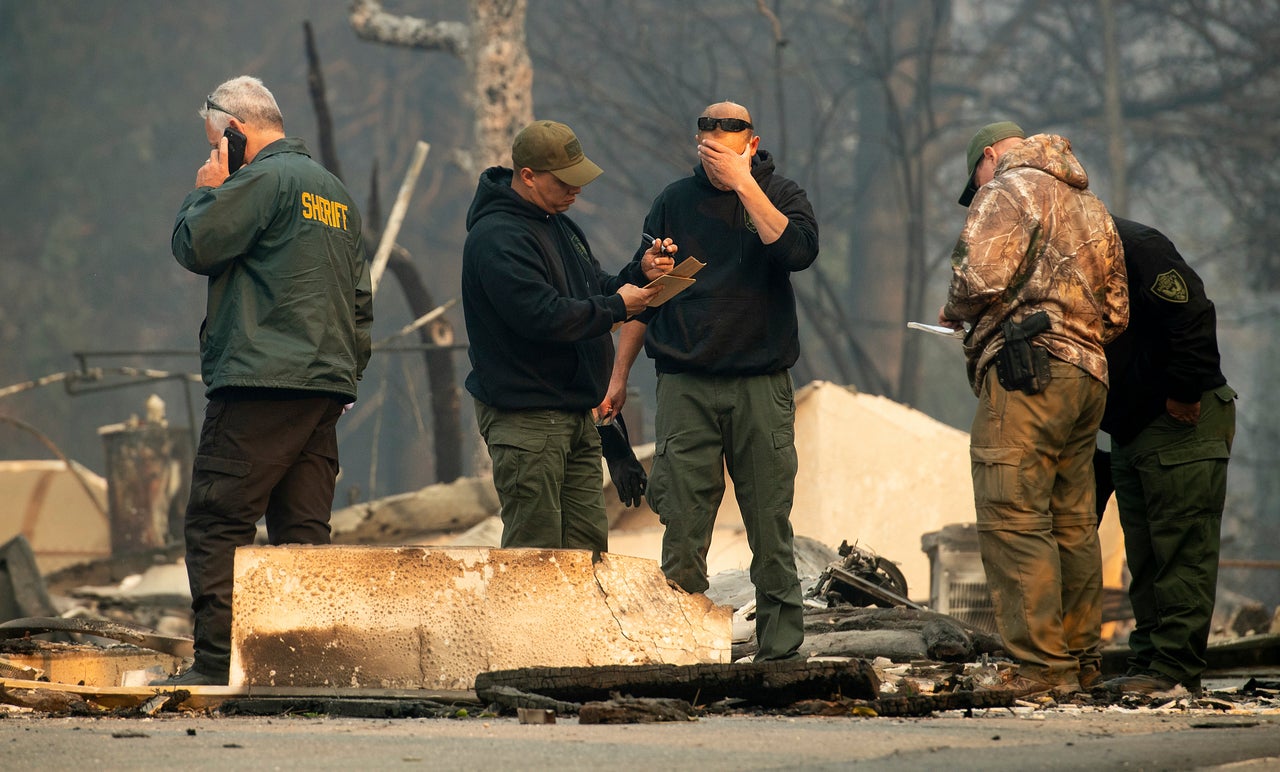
point(289, 301)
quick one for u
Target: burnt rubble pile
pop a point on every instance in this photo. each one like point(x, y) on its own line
point(869, 651)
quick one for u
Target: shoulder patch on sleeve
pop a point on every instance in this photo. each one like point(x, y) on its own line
point(1170, 286)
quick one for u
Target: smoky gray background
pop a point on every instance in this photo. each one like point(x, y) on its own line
point(1171, 106)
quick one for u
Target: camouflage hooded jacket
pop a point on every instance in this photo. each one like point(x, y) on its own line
point(1037, 239)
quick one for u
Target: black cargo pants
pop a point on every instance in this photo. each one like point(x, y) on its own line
point(272, 458)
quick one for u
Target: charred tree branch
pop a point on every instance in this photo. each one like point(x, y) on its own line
point(370, 22)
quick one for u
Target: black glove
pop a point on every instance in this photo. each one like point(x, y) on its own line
point(628, 474)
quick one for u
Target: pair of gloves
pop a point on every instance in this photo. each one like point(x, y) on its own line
point(628, 474)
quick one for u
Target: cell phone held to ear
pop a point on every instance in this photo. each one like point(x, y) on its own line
point(236, 141)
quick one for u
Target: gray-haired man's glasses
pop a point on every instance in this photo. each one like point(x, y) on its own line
point(209, 104)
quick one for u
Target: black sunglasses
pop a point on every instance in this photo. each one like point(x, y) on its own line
point(731, 125)
point(209, 104)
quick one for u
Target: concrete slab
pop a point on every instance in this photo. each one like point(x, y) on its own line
point(434, 617)
point(52, 506)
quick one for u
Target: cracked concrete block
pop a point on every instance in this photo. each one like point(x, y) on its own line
point(433, 617)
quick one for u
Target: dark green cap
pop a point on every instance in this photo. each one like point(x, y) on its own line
point(548, 146)
point(986, 137)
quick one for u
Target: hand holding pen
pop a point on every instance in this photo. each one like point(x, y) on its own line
point(657, 259)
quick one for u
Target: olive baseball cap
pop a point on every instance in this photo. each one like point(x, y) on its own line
point(986, 137)
point(547, 146)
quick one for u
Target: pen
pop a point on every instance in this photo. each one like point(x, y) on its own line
point(651, 240)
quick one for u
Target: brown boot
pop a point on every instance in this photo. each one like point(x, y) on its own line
point(1022, 686)
point(1090, 675)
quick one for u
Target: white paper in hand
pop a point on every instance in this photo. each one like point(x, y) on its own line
point(937, 329)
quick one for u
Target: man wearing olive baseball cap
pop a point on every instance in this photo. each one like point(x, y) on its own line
point(547, 146)
point(539, 311)
point(1038, 277)
point(990, 137)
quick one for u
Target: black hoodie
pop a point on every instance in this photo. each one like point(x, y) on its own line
point(538, 307)
point(739, 316)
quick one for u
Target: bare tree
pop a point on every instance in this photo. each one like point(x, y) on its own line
point(441, 376)
point(492, 44)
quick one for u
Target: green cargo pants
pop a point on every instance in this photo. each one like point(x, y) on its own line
point(547, 470)
point(1032, 459)
point(703, 424)
point(1171, 486)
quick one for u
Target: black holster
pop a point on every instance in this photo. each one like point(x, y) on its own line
point(1019, 364)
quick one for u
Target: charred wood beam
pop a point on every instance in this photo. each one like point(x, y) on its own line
point(334, 706)
point(511, 699)
point(757, 683)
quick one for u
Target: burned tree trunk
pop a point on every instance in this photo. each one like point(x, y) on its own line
point(502, 79)
point(492, 43)
point(441, 376)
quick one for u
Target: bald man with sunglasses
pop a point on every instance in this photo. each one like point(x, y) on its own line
point(723, 350)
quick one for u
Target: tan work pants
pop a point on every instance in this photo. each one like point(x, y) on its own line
point(1037, 526)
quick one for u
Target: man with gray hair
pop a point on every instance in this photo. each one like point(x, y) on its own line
point(284, 341)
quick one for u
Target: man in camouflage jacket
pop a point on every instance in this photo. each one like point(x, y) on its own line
point(1036, 239)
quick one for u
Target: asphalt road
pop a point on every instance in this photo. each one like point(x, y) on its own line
point(996, 740)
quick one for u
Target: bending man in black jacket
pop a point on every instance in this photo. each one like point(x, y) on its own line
point(724, 350)
point(538, 311)
point(1171, 417)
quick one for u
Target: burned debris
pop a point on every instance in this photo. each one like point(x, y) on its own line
point(83, 638)
point(862, 578)
point(867, 653)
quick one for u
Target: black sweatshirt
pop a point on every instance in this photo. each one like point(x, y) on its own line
point(538, 307)
point(1170, 349)
point(739, 317)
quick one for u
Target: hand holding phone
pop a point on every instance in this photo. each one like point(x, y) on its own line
point(236, 141)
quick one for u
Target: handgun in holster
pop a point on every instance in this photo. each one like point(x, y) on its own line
point(1021, 365)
